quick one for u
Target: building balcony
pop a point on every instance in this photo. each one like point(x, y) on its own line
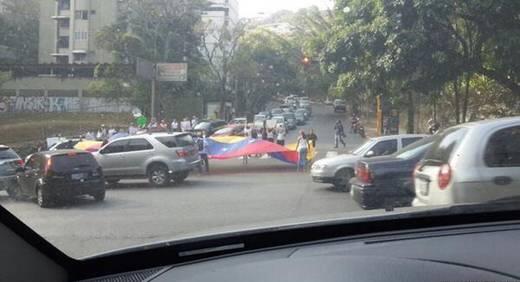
point(60, 17)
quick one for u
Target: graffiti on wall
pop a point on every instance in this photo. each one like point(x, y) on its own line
point(39, 104)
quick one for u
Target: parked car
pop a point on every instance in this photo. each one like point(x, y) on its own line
point(65, 144)
point(53, 176)
point(279, 119)
point(265, 113)
point(339, 105)
point(340, 169)
point(300, 117)
point(276, 111)
point(388, 181)
point(471, 163)
point(259, 120)
point(210, 126)
point(9, 163)
point(238, 121)
point(305, 111)
point(291, 120)
point(161, 157)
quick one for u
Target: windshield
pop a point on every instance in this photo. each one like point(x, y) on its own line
point(6, 154)
point(414, 150)
point(67, 163)
point(361, 149)
point(185, 99)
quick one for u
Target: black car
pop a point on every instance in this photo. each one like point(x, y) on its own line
point(384, 182)
point(59, 175)
point(9, 163)
point(209, 126)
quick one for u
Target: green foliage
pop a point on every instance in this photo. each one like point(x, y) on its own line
point(19, 30)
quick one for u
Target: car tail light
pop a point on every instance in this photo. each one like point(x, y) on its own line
point(182, 153)
point(48, 166)
point(20, 163)
point(444, 176)
point(364, 174)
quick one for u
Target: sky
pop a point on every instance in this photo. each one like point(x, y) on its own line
point(253, 8)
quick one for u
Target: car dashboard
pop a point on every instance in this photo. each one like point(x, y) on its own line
point(477, 253)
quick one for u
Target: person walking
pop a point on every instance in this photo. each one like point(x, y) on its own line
point(280, 137)
point(339, 133)
point(163, 126)
point(302, 147)
point(312, 138)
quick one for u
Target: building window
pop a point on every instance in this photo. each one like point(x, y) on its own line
point(62, 60)
point(81, 15)
point(64, 23)
point(80, 58)
point(63, 42)
point(64, 5)
point(84, 35)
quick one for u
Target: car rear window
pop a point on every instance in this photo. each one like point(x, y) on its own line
point(7, 154)
point(444, 145)
point(176, 141)
point(62, 163)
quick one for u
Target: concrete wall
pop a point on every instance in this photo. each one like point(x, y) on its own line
point(37, 94)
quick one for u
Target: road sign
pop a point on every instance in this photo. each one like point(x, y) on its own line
point(172, 72)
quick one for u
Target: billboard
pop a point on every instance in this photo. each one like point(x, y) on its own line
point(172, 72)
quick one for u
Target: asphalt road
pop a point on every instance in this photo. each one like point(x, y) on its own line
point(265, 192)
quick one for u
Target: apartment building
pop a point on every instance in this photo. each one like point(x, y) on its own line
point(68, 29)
point(220, 14)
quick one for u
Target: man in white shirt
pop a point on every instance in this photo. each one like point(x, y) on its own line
point(132, 129)
point(280, 136)
point(185, 125)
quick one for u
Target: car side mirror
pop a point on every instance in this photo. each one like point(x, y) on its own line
point(370, 154)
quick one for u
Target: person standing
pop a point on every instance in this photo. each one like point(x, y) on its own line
point(194, 121)
point(203, 153)
point(152, 126)
point(302, 147)
point(132, 129)
point(163, 125)
point(270, 135)
point(339, 133)
point(312, 138)
point(175, 125)
point(280, 136)
point(185, 125)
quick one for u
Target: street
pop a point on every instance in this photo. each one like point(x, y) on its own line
point(263, 192)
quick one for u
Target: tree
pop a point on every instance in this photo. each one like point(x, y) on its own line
point(219, 46)
point(19, 30)
point(159, 31)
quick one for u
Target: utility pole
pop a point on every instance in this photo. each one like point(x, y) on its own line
point(153, 110)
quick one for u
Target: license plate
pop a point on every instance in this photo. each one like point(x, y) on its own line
point(78, 176)
point(423, 188)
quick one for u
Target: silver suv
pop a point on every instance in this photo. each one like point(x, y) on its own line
point(471, 163)
point(161, 157)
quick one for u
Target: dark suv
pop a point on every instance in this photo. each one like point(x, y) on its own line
point(58, 175)
point(9, 162)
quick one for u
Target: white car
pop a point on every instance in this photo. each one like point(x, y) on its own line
point(471, 163)
point(340, 169)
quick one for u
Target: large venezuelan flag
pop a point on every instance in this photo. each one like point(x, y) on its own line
point(228, 147)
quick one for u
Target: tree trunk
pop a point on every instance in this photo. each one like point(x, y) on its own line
point(457, 101)
point(466, 98)
point(411, 113)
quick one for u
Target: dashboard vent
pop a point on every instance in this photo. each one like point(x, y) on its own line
point(136, 276)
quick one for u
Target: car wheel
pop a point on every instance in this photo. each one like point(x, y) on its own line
point(158, 175)
point(99, 196)
point(342, 179)
point(179, 178)
point(43, 199)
